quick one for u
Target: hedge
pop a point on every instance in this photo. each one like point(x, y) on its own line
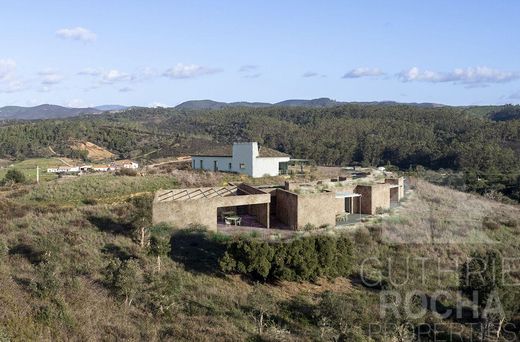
point(301, 259)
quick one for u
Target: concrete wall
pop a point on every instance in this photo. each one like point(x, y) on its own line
point(261, 212)
point(397, 181)
point(244, 153)
point(373, 197)
point(287, 208)
point(268, 166)
point(204, 211)
point(317, 209)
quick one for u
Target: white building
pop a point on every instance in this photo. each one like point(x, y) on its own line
point(101, 168)
point(125, 164)
point(246, 158)
point(64, 169)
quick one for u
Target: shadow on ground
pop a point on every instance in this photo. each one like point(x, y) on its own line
point(117, 252)
point(33, 255)
point(197, 251)
point(109, 225)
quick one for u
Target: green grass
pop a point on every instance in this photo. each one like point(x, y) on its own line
point(28, 168)
point(102, 187)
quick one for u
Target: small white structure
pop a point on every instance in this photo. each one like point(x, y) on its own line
point(246, 158)
point(125, 164)
point(101, 168)
point(64, 169)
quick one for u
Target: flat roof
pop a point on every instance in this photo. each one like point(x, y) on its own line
point(346, 194)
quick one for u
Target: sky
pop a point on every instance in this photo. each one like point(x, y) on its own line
point(161, 53)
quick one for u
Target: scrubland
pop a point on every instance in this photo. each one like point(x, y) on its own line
point(72, 268)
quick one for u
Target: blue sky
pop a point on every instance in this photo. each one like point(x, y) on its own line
point(84, 53)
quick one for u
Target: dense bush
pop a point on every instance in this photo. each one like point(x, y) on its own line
point(14, 176)
point(126, 172)
point(297, 260)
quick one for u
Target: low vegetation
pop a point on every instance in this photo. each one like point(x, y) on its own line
point(98, 270)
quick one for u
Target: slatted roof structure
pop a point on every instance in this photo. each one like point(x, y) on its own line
point(195, 193)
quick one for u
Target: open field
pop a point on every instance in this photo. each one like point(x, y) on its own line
point(28, 167)
point(102, 187)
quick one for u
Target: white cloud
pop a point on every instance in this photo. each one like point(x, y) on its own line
point(147, 72)
point(115, 75)
point(181, 71)
point(248, 68)
point(90, 72)
point(253, 75)
point(250, 71)
point(468, 76)
point(50, 77)
point(9, 82)
point(77, 33)
point(310, 74)
point(363, 72)
point(125, 89)
point(7, 68)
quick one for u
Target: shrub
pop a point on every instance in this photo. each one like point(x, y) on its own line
point(481, 275)
point(90, 201)
point(14, 176)
point(126, 172)
point(123, 278)
point(489, 223)
point(4, 249)
point(159, 242)
point(309, 227)
point(511, 222)
point(301, 259)
point(47, 283)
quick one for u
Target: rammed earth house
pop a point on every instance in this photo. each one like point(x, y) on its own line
point(246, 158)
point(290, 206)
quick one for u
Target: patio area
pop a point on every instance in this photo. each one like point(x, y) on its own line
point(249, 224)
point(351, 219)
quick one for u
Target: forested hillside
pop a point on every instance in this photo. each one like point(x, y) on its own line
point(405, 136)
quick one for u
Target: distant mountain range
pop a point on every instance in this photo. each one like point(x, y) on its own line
point(105, 108)
point(48, 111)
point(323, 102)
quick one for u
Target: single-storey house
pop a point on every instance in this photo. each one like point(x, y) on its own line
point(291, 206)
point(247, 158)
point(64, 169)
